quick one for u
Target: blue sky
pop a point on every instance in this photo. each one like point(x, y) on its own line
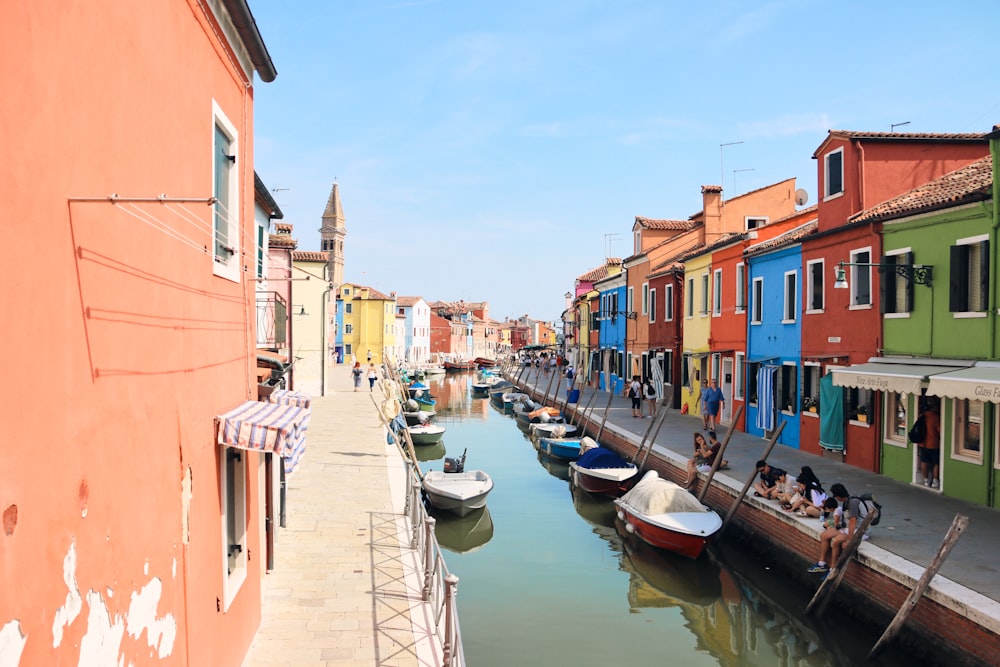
point(493, 151)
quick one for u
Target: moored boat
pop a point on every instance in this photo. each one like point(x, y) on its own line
point(455, 490)
point(450, 366)
point(557, 429)
point(418, 416)
point(426, 434)
point(666, 516)
point(602, 471)
point(564, 449)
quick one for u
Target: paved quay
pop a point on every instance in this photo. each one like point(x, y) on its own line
point(344, 589)
point(915, 518)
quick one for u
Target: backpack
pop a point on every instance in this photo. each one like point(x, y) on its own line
point(918, 433)
point(868, 501)
point(631, 391)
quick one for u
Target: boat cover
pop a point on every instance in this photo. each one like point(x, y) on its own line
point(551, 412)
point(601, 457)
point(655, 495)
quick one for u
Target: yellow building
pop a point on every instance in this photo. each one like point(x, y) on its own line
point(369, 323)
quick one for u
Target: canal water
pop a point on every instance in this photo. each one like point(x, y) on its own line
point(547, 578)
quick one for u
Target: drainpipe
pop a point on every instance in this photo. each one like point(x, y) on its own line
point(322, 339)
point(991, 477)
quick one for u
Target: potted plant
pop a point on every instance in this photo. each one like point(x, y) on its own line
point(862, 413)
point(810, 403)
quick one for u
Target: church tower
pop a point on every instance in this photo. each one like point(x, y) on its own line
point(332, 233)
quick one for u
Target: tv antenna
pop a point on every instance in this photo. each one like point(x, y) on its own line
point(892, 128)
point(735, 171)
point(722, 169)
point(608, 238)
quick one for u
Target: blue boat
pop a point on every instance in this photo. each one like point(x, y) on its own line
point(564, 449)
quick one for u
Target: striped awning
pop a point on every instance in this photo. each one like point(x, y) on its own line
point(266, 427)
point(288, 397)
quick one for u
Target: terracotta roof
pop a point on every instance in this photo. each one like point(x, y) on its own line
point(804, 211)
point(407, 300)
point(901, 137)
point(281, 241)
point(650, 223)
point(310, 256)
point(283, 227)
point(791, 236)
point(711, 188)
point(600, 272)
point(372, 292)
point(973, 182)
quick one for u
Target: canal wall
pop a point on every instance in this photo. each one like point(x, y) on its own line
point(951, 624)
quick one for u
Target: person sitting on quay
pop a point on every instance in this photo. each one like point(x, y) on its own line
point(809, 497)
point(832, 539)
point(704, 457)
point(771, 483)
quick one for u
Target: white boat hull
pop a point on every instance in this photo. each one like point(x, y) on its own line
point(457, 492)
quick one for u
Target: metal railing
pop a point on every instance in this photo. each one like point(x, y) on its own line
point(439, 585)
point(272, 319)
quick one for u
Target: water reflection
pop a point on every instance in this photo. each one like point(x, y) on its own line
point(555, 467)
point(431, 452)
point(463, 534)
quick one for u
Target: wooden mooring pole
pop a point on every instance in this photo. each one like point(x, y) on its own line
point(753, 475)
point(718, 456)
point(836, 573)
point(958, 525)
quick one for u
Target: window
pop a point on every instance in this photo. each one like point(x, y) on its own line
point(833, 174)
point(739, 372)
point(757, 301)
point(704, 293)
point(896, 292)
point(814, 286)
point(716, 372)
point(348, 329)
point(225, 189)
point(741, 278)
point(970, 274)
point(348, 308)
point(755, 223)
point(232, 481)
point(717, 292)
point(689, 297)
point(645, 298)
point(859, 404)
point(652, 305)
point(637, 242)
point(753, 369)
point(790, 294)
point(968, 424)
point(810, 388)
point(668, 303)
point(347, 291)
point(788, 388)
point(861, 278)
point(630, 304)
point(261, 248)
point(895, 418)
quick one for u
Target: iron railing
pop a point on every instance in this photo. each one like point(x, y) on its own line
point(272, 320)
point(439, 585)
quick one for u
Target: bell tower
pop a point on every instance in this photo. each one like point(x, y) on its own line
point(332, 233)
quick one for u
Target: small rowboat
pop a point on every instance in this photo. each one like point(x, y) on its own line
point(564, 449)
point(458, 492)
point(426, 434)
point(664, 515)
point(552, 429)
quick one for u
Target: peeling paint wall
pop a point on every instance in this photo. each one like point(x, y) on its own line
point(11, 644)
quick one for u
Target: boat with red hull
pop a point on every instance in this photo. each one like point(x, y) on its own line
point(664, 515)
point(603, 472)
point(452, 366)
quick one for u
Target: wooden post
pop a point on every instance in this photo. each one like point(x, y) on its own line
point(958, 525)
point(583, 414)
point(664, 410)
point(718, 457)
point(545, 397)
point(604, 420)
point(746, 487)
point(836, 573)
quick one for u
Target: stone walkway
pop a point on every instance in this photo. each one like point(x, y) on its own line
point(343, 591)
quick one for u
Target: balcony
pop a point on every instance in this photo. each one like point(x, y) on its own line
point(272, 320)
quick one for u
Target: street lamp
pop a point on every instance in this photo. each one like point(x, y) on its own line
point(919, 274)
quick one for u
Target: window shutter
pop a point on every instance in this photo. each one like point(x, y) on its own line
point(908, 288)
point(957, 293)
point(984, 275)
point(887, 286)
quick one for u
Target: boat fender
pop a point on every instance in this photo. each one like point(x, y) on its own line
point(621, 515)
point(629, 528)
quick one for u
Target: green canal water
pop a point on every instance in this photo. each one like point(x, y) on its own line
point(546, 577)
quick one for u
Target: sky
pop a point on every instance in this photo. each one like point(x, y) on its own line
point(495, 151)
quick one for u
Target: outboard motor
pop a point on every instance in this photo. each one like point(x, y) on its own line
point(455, 464)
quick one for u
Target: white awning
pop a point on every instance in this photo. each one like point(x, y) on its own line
point(979, 383)
point(899, 378)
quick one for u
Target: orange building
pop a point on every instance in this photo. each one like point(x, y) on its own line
point(129, 535)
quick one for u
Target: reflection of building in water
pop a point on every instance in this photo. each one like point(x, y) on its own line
point(453, 392)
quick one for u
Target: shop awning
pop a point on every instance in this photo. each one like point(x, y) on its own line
point(978, 383)
point(899, 378)
point(266, 427)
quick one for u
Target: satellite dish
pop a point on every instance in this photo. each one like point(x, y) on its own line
point(801, 197)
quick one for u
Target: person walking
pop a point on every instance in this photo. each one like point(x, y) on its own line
point(715, 402)
point(635, 393)
point(649, 393)
point(357, 373)
point(930, 451)
point(372, 376)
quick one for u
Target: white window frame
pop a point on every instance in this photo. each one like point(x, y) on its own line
point(891, 401)
point(971, 241)
point(630, 301)
point(900, 283)
point(758, 220)
point(827, 195)
point(668, 303)
point(652, 305)
point(348, 308)
point(791, 288)
point(739, 375)
point(856, 272)
point(234, 514)
point(645, 298)
point(228, 268)
point(757, 300)
point(959, 412)
point(717, 293)
point(802, 381)
point(348, 329)
point(812, 266)
point(704, 293)
point(741, 277)
point(637, 242)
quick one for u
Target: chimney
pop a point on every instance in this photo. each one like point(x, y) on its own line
point(711, 197)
